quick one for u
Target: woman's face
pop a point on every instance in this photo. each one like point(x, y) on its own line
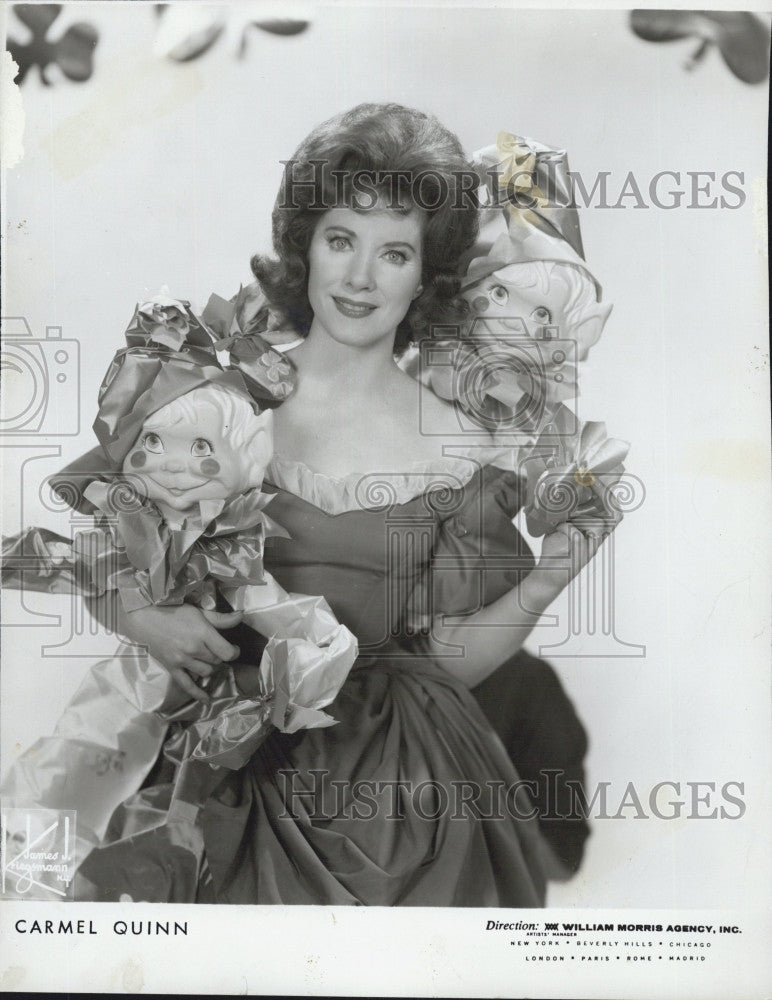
point(364, 271)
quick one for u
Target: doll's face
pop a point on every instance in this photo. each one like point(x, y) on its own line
point(180, 465)
point(507, 309)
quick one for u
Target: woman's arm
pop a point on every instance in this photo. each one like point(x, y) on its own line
point(490, 636)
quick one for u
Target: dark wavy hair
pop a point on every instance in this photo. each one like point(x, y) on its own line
point(401, 145)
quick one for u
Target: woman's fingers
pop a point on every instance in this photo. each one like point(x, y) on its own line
point(584, 539)
point(573, 544)
point(195, 665)
point(216, 645)
point(223, 619)
point(219, 648)
point(189, 686)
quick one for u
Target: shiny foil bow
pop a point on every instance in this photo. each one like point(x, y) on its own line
point(152, 563)
point(102, 747)
point(167, 321)
point(528, 211)
point(518, 170)
point(296, 679)
point(153, 846)
point(169, 353)
point(45, 562)
point(110, 735)
point(246, 327)
point(131, 549)
point(571, 472)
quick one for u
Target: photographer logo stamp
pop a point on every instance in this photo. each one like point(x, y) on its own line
point(36, 846)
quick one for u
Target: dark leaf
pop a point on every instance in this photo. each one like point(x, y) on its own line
point(666, 25)
point(744, 44)
point(22, 56)
point(742, 38)
point(196, 44)
point(282, 26)
point(37, 52)
point(75, 52)
point(37, 17)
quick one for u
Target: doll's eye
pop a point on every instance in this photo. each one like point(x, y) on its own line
point(499, 295)
point(542, 314)
point(153, 443)
point(201, 448)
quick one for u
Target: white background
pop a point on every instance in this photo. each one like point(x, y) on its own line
point(155, 172)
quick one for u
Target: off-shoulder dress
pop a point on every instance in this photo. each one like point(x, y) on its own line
point(411, 798)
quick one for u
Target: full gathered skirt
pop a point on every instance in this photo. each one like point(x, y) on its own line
point(410, 799)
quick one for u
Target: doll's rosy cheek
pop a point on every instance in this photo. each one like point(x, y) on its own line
point(480, 303)
point(138, 459)
point(210, 467)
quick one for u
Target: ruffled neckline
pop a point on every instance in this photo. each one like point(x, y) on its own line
point(374, 491)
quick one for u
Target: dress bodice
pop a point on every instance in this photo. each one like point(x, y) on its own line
point(389, 552)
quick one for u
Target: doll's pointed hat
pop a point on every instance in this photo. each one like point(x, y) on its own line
point(168, 353)
point(527, 209)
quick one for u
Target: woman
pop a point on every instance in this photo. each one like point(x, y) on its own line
point(411, 798)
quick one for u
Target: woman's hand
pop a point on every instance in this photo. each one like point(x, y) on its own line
point(183, 639)
point(570, 547)
point(492, 634)
point(489, 636)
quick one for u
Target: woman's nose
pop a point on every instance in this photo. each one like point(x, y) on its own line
point(360, 272)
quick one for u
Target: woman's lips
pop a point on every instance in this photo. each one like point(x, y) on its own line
point(352, 309)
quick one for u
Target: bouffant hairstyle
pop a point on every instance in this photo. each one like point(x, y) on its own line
point(407, 160)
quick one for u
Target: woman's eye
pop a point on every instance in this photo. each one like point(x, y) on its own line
point(499, 295)
point(153, 444)
point(395, 256)
point(542, 314)
point(339, 242)
point(201, 448)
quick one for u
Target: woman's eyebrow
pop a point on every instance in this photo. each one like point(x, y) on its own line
point(340, 229)
point(401, 243)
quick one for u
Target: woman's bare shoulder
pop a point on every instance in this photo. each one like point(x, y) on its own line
point(437, 420)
